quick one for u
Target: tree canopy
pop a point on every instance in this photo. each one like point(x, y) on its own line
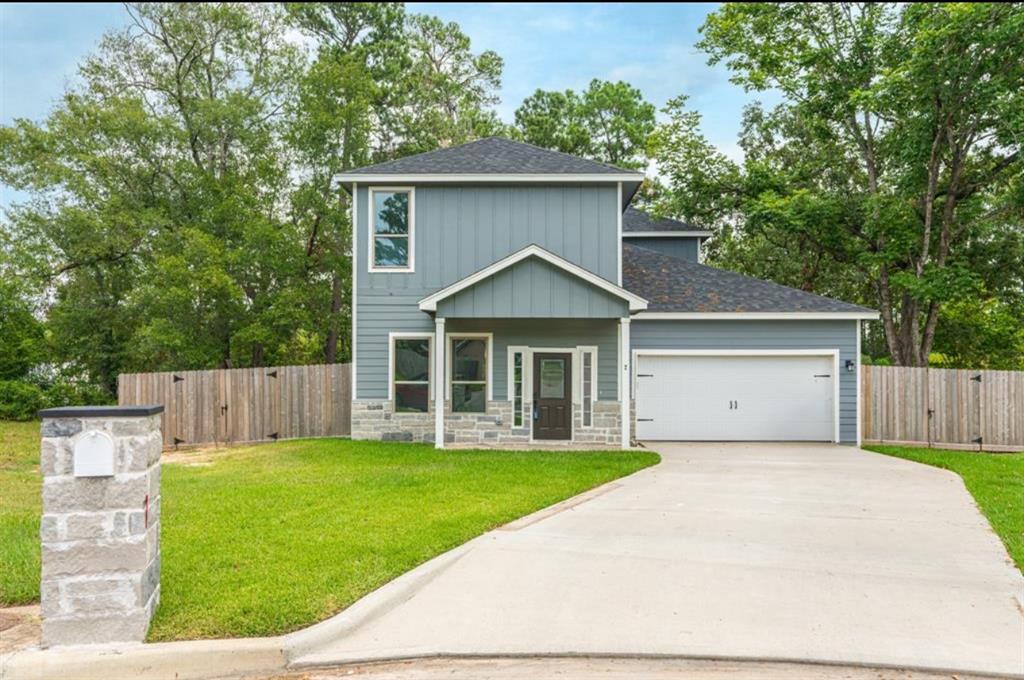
point(183, 208)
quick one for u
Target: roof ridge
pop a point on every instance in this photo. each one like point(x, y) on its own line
point(561, 153)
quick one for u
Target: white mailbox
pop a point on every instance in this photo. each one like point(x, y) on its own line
point(94, 455)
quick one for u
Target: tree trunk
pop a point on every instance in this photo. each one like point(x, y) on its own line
point(331, 344)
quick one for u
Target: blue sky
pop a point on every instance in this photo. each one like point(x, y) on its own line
point(547, 46)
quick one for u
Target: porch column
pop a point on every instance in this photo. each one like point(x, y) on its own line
point(624, 379)
point(439, 382)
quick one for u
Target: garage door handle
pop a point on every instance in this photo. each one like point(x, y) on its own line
point(645, 420)
point(645, 375)
point(822, 375)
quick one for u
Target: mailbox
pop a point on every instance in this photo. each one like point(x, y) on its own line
point(94, 455)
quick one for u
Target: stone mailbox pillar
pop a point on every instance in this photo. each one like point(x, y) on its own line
point(101, 523)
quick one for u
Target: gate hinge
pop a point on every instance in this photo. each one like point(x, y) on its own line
point(178, 378)
point(273, 374)
point(178, 441)
point(977, 378)
point(272, 435)
point(978, 440)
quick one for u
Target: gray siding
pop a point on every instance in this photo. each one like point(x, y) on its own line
point(841, 335)
point(683, 247)
point(545, 333)
point(533, 289)
point(459, 230)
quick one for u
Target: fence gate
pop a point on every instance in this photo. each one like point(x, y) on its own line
point(946, 407)
point(245, 404)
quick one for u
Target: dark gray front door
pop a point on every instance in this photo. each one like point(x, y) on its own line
point(552, 396)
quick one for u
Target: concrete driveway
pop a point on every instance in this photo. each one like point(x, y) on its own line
point(773, 551)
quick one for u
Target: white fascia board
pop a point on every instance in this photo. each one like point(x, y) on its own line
point(752, 316)
point(475, 178)
point(666, 234)
point(636, 303)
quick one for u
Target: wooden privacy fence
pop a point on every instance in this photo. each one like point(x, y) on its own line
point(245, 404)
point(943, 407)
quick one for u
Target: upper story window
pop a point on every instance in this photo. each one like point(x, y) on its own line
point(391, 229)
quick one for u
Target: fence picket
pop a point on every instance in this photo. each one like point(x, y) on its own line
point(301, 401)
point(944, 407)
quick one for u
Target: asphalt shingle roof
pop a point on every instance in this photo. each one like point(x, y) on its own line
point(673, 285)
point(491, 155)
point(638, 220)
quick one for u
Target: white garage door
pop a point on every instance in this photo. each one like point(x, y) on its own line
point(735, 398)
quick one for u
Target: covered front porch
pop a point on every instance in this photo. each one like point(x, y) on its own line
point(538, 343)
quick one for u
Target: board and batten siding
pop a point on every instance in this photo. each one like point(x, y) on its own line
point(533, 289)
point(459, 230)
point(683, 247)
point(802, 334)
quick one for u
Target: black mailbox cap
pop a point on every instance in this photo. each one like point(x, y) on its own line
point(101, 411)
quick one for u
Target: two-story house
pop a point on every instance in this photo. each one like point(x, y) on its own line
point(504, 293)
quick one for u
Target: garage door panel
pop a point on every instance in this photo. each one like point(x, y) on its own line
point(735, 398)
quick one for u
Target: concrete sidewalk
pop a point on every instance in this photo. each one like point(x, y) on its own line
point(772, 551)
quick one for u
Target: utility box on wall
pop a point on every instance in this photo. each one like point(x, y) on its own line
point(100, 528)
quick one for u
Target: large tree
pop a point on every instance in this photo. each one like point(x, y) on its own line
point(184, 210)
point(894, 159)
point(608, 122)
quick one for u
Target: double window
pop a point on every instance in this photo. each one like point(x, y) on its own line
point(410, 373)
point(391, 230)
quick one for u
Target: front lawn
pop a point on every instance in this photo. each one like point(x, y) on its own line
point(265, 539)
point(996, 480)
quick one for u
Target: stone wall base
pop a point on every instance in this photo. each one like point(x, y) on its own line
point(376, 419)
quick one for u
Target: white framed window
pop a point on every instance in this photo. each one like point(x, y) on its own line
point(409, 368)
point(588, 383)
point(391, 227)
point(469, 372)
point(518, 366)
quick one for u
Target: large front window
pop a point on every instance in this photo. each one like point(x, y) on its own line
point(469, 375)
point(391, 229)
point(411, 374)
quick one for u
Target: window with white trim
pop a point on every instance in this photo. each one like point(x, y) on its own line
point(518, 380)
point(410, 371)
point(588, 384)
point(469, 375)
point(391, 227)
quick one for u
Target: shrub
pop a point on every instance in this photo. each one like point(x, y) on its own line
point(20, 400)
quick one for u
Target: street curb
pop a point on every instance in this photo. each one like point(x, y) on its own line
point(936, 670)
point(189, 660)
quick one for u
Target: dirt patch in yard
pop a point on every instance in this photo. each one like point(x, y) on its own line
point(19, 628)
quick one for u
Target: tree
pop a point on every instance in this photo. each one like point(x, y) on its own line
point(608, 122)
point(895, 157)
point(158, 187)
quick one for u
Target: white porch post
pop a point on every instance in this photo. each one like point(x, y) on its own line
point(439, 382)
point(624, 379)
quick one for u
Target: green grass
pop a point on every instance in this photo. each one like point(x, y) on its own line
point(270, 538)
point(996, 480)
point(20, 505)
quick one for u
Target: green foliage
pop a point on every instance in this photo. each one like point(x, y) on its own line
point(20, 400)
point(890, 175)
point(608, 122)
point(185, 211)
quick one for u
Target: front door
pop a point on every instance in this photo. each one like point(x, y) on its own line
point(552, 396)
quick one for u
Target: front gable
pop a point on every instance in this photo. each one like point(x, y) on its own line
point(533, 283)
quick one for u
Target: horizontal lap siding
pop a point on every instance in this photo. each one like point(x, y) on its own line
point(460, 230)
point(683, 247)
point(841, 335)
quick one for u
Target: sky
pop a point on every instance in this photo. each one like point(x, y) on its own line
point(550, 46)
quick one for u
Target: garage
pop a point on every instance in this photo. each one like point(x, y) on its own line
point(745, 395)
